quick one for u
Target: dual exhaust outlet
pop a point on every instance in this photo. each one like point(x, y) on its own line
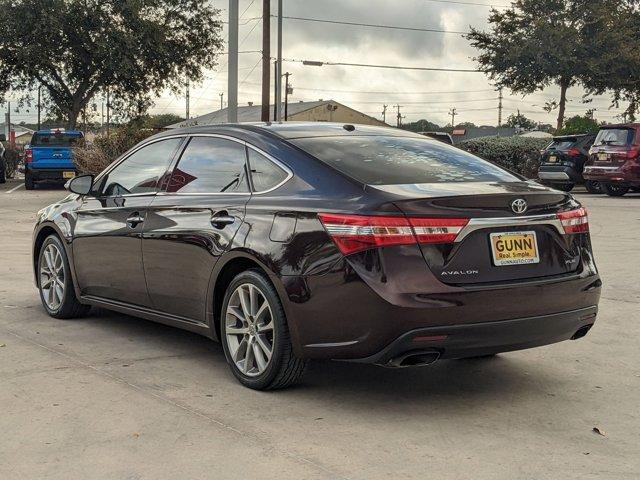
point(414, 358)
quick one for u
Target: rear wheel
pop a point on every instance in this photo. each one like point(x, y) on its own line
point(255, 336)
point(28, 181)
point(57, 293)
point(614, 189)
point(592, 186)
point(3, 175)
point(565, 187)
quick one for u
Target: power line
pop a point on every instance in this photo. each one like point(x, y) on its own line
point(475, 4)
point(436, 102)
point(316, 63)
point(374, 25)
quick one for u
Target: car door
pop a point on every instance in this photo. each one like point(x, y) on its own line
point(107, 241)
point(193, 222)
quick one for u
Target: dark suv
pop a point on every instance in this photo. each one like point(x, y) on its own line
point(562, 162)
point(614, 159)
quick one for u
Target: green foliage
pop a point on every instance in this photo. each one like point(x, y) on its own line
point(12, 156)
point(519, 120)
point(77, 49)
point(518, 154)
point(93, 158)
point(579, 124)
point(421, 126)
point(157, 121)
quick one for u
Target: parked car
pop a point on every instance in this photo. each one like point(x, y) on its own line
point(296, 241)
point(3, 165)
point(442, 136)
point(562, 162)
point(49, 157)
point(614, 159)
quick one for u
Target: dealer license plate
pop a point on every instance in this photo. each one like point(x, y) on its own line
point(552, 159)
point(514, 248)
point(68, 174)
point(603, 157)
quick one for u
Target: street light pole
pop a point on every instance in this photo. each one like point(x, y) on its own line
point(266, 58)
point(39, 94)
point(232, 65)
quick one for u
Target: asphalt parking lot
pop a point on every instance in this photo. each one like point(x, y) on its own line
point(115, 397)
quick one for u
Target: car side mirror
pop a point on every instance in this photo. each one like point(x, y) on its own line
point(80, 185)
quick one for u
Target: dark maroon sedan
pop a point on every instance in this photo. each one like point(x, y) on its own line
point(296, 241)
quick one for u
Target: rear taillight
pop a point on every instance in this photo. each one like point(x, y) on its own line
point(632, 153)
point(574, 221)
point(28, 155)
point(354, 233)
point(573, 152)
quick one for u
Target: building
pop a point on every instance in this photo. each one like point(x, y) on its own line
point(318, 111)
point(19, 135)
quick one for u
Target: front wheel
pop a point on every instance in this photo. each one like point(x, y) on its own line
point(565, 187)
point(255, 336)
point(593, 186)
point(614, 189)
point(29, 184)
point(55, 283)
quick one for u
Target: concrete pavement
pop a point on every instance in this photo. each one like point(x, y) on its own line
point(115, 397)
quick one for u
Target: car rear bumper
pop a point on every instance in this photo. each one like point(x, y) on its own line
point(558, 174)
point(477, 339)
point(50, 174)
point(613, 174)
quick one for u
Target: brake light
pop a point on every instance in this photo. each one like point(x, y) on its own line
point(573, 152)
point(28, 155)
point(632, 153)
point(574, 221)
point(354, 233)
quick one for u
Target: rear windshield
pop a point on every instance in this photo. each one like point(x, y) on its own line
point(614, 136)
point(563, 144)
point(55, 140)
point(382, 160)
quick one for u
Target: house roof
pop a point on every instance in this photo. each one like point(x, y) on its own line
point(251, 113)
point(19, 129)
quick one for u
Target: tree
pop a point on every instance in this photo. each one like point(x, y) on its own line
point(533, 44)
point(520, 121)
point(158, 121)
point(76, 49)
point(421, 126)
point(580, 124)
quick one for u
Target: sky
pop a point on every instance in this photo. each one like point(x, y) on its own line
point(421, 94)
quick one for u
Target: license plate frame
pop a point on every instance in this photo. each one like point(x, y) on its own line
point(68, 174)
point(524, 255)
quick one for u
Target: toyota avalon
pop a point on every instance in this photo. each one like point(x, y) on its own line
point(296, 241)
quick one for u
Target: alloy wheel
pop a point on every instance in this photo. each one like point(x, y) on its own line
point(52, 277)
point(249, 329)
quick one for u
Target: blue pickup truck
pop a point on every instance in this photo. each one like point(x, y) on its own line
point(49, 156)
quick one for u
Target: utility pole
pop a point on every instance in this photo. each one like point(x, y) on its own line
point(266, 58)
point(286, 96)
point(101, 115)
point(453, 114)
point(39, 95)
point(108, 107)
point(232, 65)
point(398, 116)
point(384, 113)
point(500, 107)
point(221, 100)
point(279, 68)
point(275, 90)
point(186, 97)
point(7, 123)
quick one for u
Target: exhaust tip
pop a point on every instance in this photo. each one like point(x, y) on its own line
point(416, 358)
point(581, 332)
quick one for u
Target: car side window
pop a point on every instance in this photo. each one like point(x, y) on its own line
point(210, 165)
point(139, 172)
point(265, 174)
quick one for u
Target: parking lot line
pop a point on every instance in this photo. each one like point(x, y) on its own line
point(15, 188)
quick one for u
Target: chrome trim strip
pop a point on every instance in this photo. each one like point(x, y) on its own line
point(492, 222)
point(553, 176)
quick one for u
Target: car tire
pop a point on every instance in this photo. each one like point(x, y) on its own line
point(53, 271)
point(29, 184)
point(3, 173)
point(615, 190)
point(593, 186)
point(564, 187)
point(255, 337)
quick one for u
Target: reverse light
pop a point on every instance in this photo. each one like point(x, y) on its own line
point(574, 221)
point(354, 233)
point(28, 155)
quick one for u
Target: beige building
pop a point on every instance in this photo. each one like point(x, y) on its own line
point(318, 111)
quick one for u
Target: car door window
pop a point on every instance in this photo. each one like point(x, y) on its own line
point(265, 174)
point(210, 165)
point(140, 171)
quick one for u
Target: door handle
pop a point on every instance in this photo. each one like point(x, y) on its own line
point(220, 221)
point(134, 220)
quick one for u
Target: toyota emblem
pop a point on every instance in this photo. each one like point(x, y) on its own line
point(519, 205)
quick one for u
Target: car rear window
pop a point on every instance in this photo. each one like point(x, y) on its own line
point(562, 144)
point(387, 160)
point(614, 136)
point(55, 140)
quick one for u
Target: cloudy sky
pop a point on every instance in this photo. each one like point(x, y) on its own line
point(422, 94)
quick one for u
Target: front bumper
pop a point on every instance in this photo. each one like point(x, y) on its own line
point(477, 339)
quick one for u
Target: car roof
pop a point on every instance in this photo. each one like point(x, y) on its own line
point(621, 125)
point(291, 130)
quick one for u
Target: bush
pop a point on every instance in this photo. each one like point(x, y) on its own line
point(518, 154)
point(96, 157)
point(12, 156)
